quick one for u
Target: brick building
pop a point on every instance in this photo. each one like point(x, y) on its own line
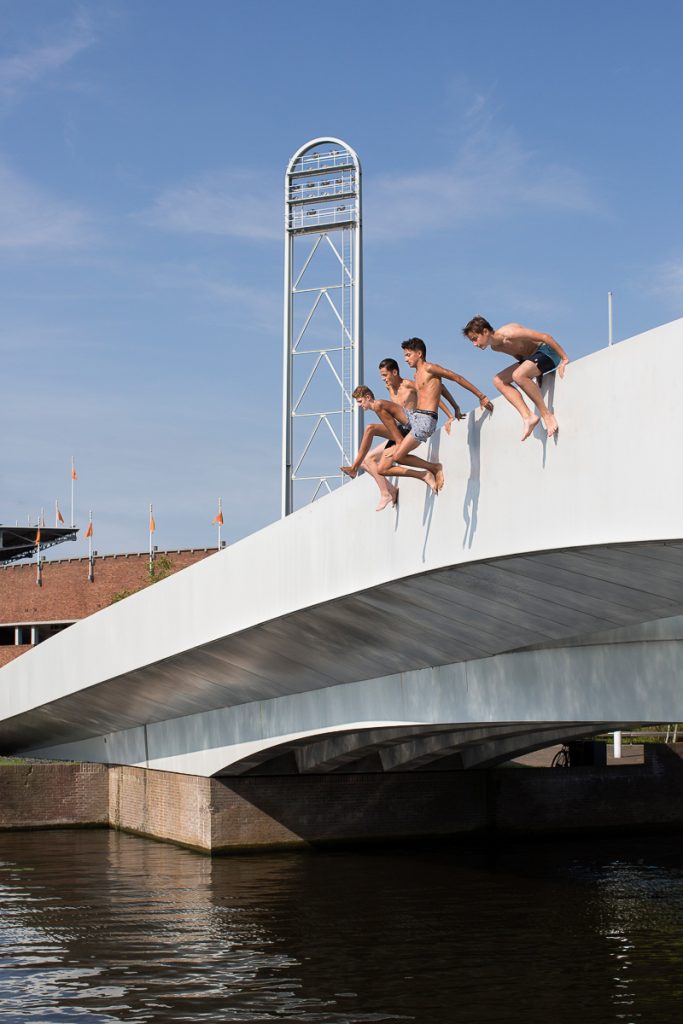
point(30, 613)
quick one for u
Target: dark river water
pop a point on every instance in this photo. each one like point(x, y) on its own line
point(97, 926)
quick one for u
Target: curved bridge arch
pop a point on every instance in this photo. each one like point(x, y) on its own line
point(540, 592)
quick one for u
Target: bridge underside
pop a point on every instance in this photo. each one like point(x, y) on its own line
point(539, 596)
point(460, 715)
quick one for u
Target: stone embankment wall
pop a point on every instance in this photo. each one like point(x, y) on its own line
point(277, 812)
point(163, 805)
point(53, 795)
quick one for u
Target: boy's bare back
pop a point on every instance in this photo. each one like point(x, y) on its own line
point(517, 341)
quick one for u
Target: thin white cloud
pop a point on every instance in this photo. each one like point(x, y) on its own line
point(30, 218)
point(491, 176)
point(668, 279)
point(34, 63)
point(258, 307)
point(237, 204)
point(248, 305)
point(488, 178)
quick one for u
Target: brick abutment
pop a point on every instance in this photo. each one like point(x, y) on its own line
point(218, 815)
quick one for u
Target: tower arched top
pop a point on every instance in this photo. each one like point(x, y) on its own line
point(321, 154)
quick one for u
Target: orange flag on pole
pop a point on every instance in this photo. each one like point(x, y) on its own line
point(60, 517)
point(74, 475)
point(219, 521)
point(38, 536)
point(88, 532)
point(152, 524)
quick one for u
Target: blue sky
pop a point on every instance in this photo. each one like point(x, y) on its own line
point(519, 160)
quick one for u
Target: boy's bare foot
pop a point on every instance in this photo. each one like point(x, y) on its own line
point(394, 495)
point(386, 500)
point(430, 480)
point(350, 471)
point(439, 477)
point(530, 422)
point(550, 424)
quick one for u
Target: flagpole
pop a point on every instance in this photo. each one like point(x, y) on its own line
point(39, 580)
point(91, 566)
point(151, 531)
point(219, 521)
point(56, 513)
point(73, 477)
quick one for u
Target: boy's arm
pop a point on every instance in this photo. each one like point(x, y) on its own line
point(445, 393)
point(441, 371)
point(456, 414)
point(526, 334)
point(449, 416)
point(564, 358)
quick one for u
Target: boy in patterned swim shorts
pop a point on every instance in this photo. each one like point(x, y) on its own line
point(535, 353)
point(422, 419)
point(395, 420)
point(403, 393)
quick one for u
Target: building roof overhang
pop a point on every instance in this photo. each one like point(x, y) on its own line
point(20, 541)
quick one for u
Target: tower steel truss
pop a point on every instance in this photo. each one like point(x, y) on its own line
point(323, 319)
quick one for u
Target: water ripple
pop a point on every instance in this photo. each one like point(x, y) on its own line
point(99, 927)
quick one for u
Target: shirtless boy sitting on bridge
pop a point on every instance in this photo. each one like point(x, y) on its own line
point(428, 378)
point(404, 393)
point(535, 353)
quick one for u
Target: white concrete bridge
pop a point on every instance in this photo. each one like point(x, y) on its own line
point(538, 597)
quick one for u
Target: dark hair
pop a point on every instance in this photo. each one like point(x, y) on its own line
point(477, 325)
point(361, 392)
point(415, 345)
point(389, 364)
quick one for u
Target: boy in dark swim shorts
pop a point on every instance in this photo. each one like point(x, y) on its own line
point(535, 353)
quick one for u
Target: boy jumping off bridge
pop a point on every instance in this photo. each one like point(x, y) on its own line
point(395, 422)
point(403, 392)
point(422, 418)
point(535, 353)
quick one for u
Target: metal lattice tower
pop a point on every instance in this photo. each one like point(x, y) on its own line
point(323, 319)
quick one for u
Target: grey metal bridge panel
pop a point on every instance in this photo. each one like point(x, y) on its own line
point(444, 617)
